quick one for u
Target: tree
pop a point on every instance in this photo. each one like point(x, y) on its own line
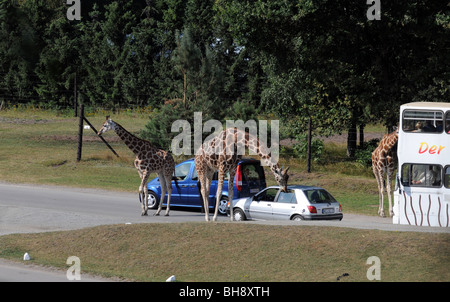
point(186, 57)
point(366, 69)
point(59, 60)
point(19, 51)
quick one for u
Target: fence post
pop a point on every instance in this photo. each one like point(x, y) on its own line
point(75, 100)
point(308, 152)
point(80, 132)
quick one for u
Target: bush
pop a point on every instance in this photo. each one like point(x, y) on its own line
point(364, 155)
point(301, 149)
point(158, 129)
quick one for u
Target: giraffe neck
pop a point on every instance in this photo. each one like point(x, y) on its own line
point(134, 143)
point(264, 153)
point(385, 148)
point(391, 140)
point(274, 168)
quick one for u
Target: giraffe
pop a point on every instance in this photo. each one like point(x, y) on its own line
point(220, 153)
point(383, 164)
point(148, 160)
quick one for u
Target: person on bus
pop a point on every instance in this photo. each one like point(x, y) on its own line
point(422, 176)
point(419, 127)
point(418, 174)
point(439, 126)
point(429, 127)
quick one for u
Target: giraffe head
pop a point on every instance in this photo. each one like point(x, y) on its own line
point(107, 125)
point(282, 177)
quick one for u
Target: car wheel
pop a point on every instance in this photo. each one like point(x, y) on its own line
point(152, 200)
point(297, 218)
point(223, 203)
point(238, 215)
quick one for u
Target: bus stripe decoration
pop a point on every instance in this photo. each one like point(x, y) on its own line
point(420, 207)
point(439, 213)
point(429, 207)
point(447, 215)
point(422, 214)
point(412, 208)
point(406, 215)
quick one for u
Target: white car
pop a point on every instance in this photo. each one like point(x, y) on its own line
point(297, 203)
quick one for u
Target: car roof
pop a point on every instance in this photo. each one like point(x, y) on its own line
point(300, 187)
point(242, 160)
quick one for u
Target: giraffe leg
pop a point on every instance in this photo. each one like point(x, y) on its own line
point(143, 191)
point(162, 181)
point(205, 195)
point(389, 193)
point(136, 164)
point(145, 194)
point(219, 192)
point(381, 195)
point(230, 191)
point(205, 184)
point(169, 191)
point(390, 171)
point(379, 184)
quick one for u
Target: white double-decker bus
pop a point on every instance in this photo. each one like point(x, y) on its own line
point(422, 193)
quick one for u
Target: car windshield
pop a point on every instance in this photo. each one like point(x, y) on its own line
point(318, 196)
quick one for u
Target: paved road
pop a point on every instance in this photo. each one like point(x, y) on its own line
point(31, 208)
point(18, 272)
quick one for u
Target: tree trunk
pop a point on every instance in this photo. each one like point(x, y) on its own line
point(351, 140)
point(308, 155)
point(184, 88)
point(361, 136)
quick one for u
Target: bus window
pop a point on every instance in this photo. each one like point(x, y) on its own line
point(406, 171)
point(447, 177)
point(447, 122)
point(421, 175)
point(423, 121)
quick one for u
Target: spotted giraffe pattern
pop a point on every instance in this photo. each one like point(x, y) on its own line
point(148, 160)
point(383, 164)
point(221, 153)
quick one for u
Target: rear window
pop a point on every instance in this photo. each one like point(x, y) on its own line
point(287, 197)
point(319, 196)
point(251, 172)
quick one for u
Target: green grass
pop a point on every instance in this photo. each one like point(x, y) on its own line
point(237, 252)
point(40, 147)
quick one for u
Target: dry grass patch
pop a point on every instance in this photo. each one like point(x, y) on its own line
point(238, 252)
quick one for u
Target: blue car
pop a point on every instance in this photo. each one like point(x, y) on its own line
point(249, 180)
